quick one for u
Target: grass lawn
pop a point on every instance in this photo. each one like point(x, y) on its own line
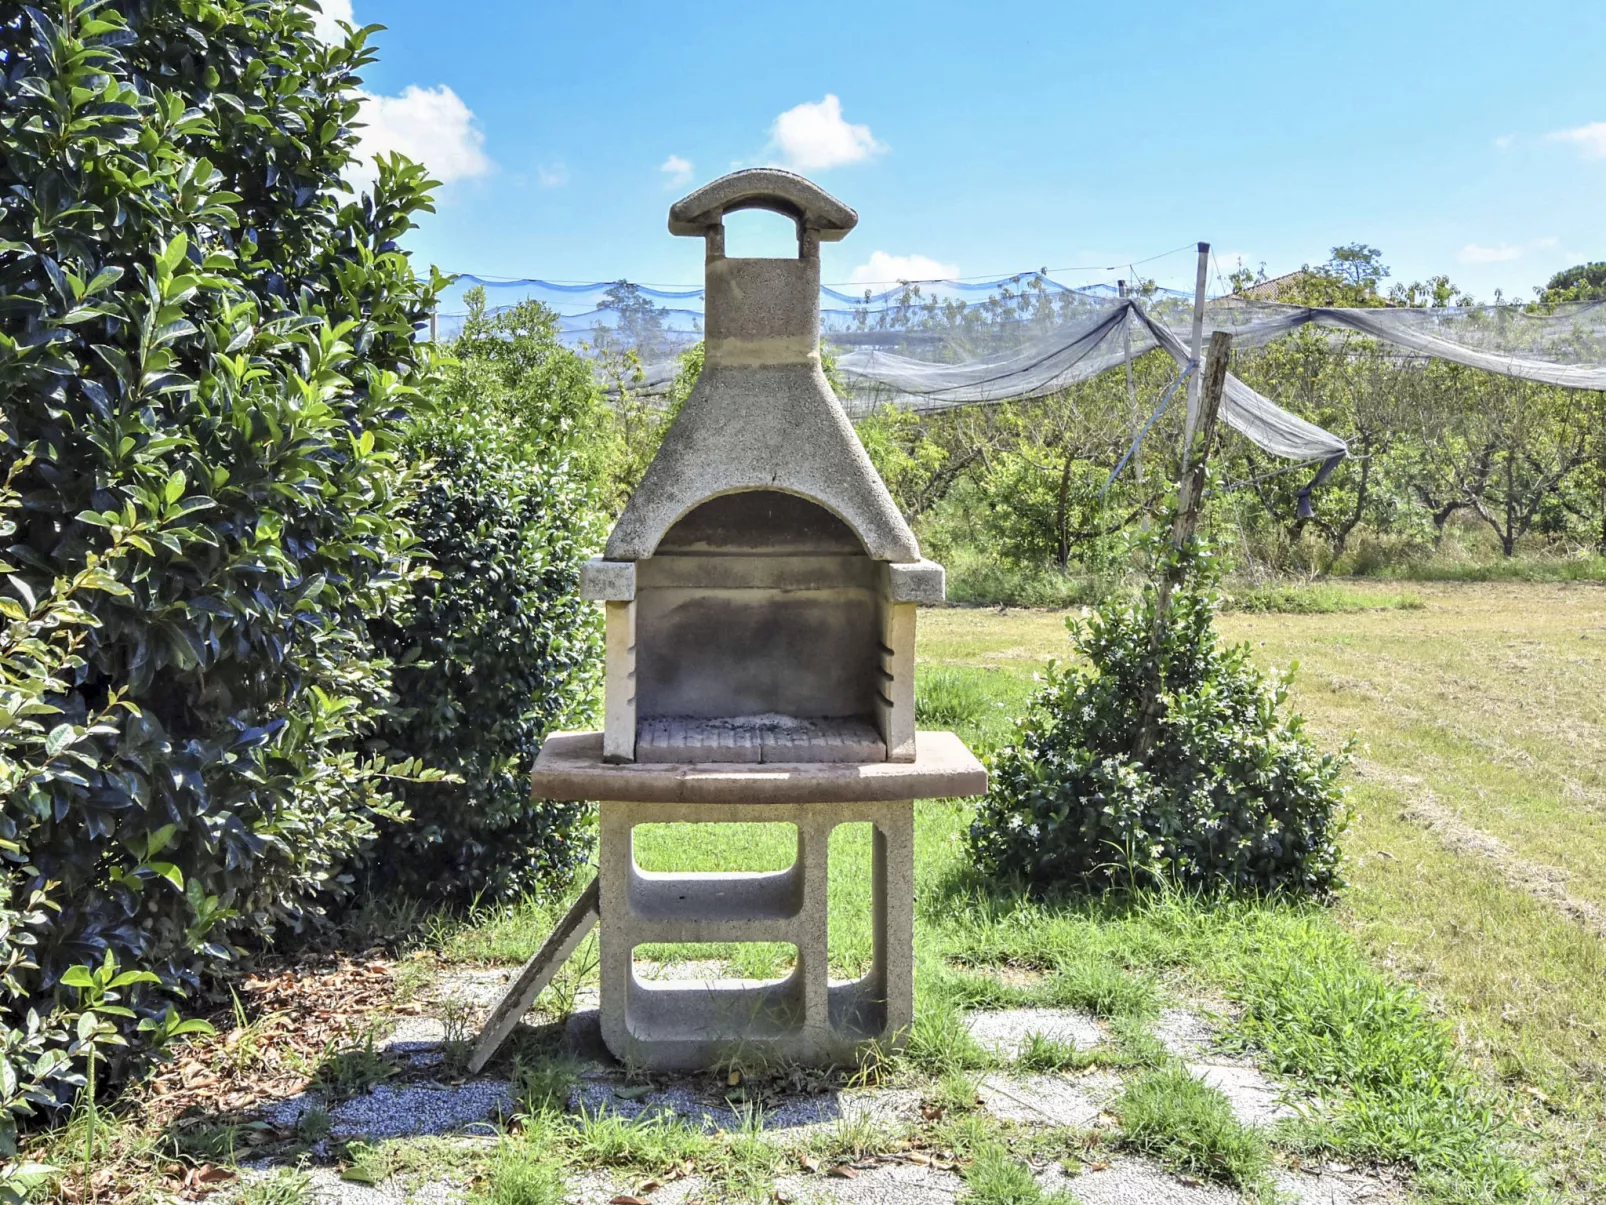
point(1476, 858)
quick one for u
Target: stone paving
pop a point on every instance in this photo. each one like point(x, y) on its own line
point(422, 1101)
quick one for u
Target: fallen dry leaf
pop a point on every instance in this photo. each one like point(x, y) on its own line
point(843, 1172)
point(626, 1199)
point(809, 1163)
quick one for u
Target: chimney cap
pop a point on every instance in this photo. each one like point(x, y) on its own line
point(800, 199)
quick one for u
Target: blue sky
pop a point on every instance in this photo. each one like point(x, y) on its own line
point(1465, 138)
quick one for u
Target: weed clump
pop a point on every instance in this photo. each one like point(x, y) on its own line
point(1190, 1126)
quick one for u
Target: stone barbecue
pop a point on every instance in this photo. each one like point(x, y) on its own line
point(760, 591)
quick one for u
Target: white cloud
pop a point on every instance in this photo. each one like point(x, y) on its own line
point(677, 169)
point(1472, 253)
point(323, 24)
point(552, 175)
point(1505, 142)
point(1590, 139)
point(884, 270)
point(430, 125)
point(813, 136)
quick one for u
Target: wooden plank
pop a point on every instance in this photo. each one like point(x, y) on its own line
point(1196, 346)
point(537, 973)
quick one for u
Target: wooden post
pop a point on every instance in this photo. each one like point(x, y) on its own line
point(1190, 497)
point(1132, 400)
point(1196, 350)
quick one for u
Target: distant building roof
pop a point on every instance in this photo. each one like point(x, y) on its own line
point(1267, 290)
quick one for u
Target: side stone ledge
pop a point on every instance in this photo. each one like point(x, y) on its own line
point(608, 581)
point(922, 582)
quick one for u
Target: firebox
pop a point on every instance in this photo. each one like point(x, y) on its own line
point(761, 584)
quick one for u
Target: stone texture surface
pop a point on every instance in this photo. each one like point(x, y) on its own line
point(773, 426)
point(1043, 1100)
point(754, 739)
point(895, 690)
point(762, 416)
point(618, 736)
point(468, 1111)
point(1255, 1099)
point(570, 766)
point(685, 1026)
point(327, 1188)
point(887, 1184)
point(600, 1188)
point(1337, 1185)
point(1136, 1182)
point(708, 1108)
point(765, 188)
point(1005, 1032)
point(473, 1108)
point(1184, 1033)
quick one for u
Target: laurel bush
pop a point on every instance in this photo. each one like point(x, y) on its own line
point(207, 360)
point(495, 648)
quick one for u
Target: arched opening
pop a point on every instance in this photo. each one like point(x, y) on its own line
point(760, 234)
point(757, 636)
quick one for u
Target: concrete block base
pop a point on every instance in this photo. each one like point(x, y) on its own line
point(805, 1018)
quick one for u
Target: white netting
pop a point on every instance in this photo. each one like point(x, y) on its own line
point(941, 344)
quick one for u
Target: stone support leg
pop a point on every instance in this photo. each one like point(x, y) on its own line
point(678, 1026)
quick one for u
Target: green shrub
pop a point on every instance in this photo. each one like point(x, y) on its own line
point(1232, 794)
point(205, 355)
point(494, 652)
point(496, 649)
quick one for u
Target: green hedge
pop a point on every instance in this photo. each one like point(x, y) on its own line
point(495, 651)
point(206, 360)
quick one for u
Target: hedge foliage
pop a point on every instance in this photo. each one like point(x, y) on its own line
point(496, 648)
point(206, 358)
point(1233, 795)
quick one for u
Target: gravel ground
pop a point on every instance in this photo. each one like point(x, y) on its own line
point(1006, 1032)
point(889, 1107)
point(1042, 1100)
point(327, 1188)
point(471, 1108)
point(1185, 1034)
point(1254, 1098)
point(889, 1184)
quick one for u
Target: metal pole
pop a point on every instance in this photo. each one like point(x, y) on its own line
point(1196, 351)
point(1132, 395)
point(434, 315)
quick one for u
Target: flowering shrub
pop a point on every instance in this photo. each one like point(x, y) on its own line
point(1232, 794)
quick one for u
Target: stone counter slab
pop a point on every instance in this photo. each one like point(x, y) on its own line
point(570, 766)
